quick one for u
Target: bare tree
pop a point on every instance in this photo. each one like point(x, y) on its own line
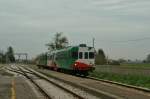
point(58, 42)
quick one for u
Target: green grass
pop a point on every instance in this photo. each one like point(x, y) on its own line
point(142, 81)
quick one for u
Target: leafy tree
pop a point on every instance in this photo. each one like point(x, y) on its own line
point(100, 57)
point(2, 57)
point(58, 42)
point(10, 54)
point(114, 62)
point(148, 58)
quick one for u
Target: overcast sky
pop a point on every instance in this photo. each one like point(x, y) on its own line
point(120, 27)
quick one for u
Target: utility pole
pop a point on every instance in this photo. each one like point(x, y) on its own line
point(107, 60)
point(93, 42)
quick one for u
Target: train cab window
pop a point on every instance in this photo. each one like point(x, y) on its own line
point(75, 55)
point(91, 55)
point(53, 56)
point(56, 57)
point(50, 57)
point(80, 55)
point(86, 55)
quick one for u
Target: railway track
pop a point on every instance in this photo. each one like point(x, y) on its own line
point(114, 88)
point(119, 84)
point(85, 90)
point(50, 87)
point(1, 67)
point(91, 92)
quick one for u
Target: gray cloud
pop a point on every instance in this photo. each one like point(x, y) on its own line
point(29, 24)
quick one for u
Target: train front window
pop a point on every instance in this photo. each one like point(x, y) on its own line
point(91, 55)
point(80, 55)
point(50, 57)
point(86, 55)
point(75, 55)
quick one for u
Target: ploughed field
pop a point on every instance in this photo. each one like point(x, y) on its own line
point(132, 69)
point(132, 74)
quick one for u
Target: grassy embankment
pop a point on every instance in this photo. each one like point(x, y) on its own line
point(136, 80)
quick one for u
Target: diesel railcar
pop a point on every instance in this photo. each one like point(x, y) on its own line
point(76, 59)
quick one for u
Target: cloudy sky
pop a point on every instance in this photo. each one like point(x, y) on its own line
point(120, 27)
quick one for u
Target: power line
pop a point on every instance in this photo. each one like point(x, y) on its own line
point(126, 41)
point(133, 40)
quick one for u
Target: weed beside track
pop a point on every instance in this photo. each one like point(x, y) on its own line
point(136, 80)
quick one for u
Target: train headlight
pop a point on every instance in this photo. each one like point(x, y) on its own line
point(75, 64)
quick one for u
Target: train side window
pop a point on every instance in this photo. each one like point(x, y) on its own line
point(86, 55)
point(91, 55)
point(75, 55)
point(80, 55)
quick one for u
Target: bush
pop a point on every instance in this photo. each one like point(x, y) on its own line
point(114, 63)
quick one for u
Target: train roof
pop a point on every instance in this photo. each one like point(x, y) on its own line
point(68, 48)
point(63, 49)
